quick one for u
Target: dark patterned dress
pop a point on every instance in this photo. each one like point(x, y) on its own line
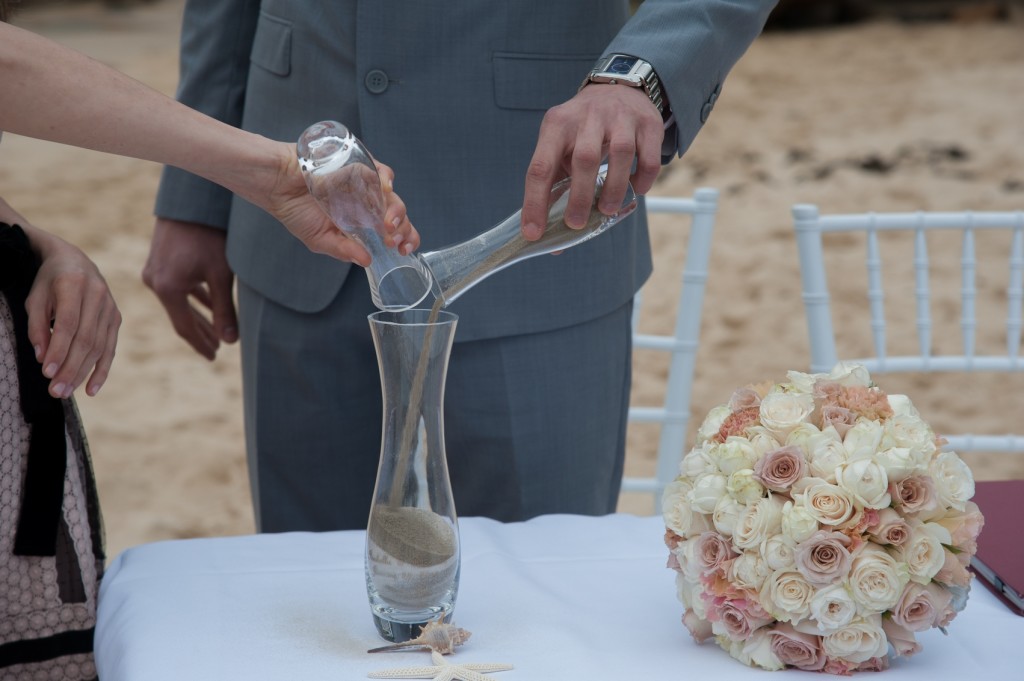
point(50, 562)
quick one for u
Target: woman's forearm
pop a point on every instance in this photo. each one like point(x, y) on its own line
point(54, 93)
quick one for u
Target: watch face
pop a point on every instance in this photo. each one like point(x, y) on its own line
point(621, 65)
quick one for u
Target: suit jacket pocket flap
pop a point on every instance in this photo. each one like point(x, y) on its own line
point(538, 81)
point(272, 45)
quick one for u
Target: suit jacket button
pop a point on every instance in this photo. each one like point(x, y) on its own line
point(376, 81)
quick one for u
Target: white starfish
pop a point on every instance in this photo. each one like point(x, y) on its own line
point(442, 671)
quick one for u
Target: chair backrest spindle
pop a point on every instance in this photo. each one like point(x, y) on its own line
point(674, 415)
point(810, 225)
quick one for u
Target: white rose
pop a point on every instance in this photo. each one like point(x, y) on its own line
point(899, 462)
point(876, 579)
point(801, 382)
point(797, 522)
point(832, 608)
point(787, 595)
point(761, 520)
point(781, 412)
point(712, 423)
point(707, 490)
point(862, 439)
point(859, 641)
point(866, 482)
point(698, 461)
point(829, 504)
point(954, 482)
point(686, 555)
point(736, 453)
point(826, 454)
point(684, 590)
point(850, 375)
point(726, 514)
point(744, 487)
point(778, 552)
point(802, 435)
point(748, 571)
point(757, 649)
point(677, 512)
point(910, 431)
point(902, 406)
point(761, 440)
point(922, 553)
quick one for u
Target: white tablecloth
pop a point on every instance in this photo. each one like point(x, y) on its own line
point(559, 597)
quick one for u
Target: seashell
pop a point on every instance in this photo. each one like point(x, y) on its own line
point(436, 635)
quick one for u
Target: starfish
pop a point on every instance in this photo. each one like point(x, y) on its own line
point(442, 671)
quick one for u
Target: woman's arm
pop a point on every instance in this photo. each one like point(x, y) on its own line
point(54, 93)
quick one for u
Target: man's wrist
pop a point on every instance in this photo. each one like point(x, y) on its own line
point(624, 69)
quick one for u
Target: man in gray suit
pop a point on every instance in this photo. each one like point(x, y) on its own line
point(464, 99)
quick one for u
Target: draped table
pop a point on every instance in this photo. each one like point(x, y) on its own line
point(559, 597)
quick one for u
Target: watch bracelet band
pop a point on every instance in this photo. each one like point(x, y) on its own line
point(649, 82)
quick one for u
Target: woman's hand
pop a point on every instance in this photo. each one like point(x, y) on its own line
point(290, 202)
point(70, 292)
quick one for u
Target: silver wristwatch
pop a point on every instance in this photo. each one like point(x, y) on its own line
point(628, 70)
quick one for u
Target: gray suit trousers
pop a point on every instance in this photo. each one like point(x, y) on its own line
point(526, 417)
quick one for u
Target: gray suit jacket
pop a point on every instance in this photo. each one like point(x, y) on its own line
point(451, 94)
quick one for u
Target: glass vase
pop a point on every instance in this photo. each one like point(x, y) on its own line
point(412, 538)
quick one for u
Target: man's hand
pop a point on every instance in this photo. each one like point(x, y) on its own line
point(187, 269)
point(616, 122)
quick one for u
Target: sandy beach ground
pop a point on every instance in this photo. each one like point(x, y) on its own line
point(876, 116)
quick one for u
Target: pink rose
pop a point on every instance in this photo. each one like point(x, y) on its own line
point(900, 638)
point(744, 398)
point(699, 628)
point(824, 558)
point(920, 607)
point(838, 667)
point(839, 418)
point(797, 649)
point(953, 571)
point(915, 494)
point(875, 664)
point(737, 618)
point(780, 468)
point(889, 527)
point(713, 553)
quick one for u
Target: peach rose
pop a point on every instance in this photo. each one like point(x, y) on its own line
point(857, 642)
point(954, 571)
point(699, 628)
point(779, 469)
point(964, 527)
point(761, 520)
point(780, 412)
point(828, 503)
point(876, 578)
point(900, 638)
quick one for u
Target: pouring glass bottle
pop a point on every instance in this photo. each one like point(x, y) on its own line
point(341, 176)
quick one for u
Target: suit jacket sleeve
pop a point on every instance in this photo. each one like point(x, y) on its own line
point(216, 41)
point(692, 45)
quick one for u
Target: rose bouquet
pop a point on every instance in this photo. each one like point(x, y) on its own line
point(817, 524)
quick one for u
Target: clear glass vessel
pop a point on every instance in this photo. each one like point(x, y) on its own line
point(342, 178)
point(412, 538)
